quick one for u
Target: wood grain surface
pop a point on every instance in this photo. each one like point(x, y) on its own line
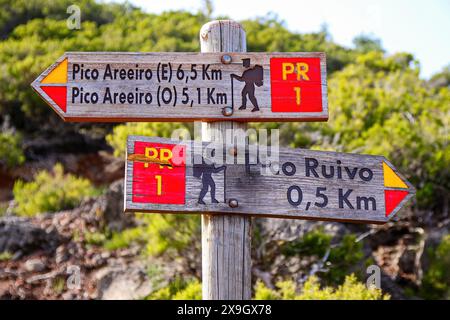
point(183, 87)
point(262, 189)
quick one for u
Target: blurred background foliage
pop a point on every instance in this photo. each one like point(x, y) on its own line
point(378, 105)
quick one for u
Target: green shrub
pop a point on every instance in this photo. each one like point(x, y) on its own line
point(192, 291)
point(178, 289)
point(95, 238)
point(436, 281)
point(125, 238)
point(3, 208)
point(159, 233)
point(315, 242)
point(351, 289)
point(341, 257)
point(51, 192)
point(174, 232)
point(58, 284)
point(5, 256)
point(118, 138)
point(11, 153)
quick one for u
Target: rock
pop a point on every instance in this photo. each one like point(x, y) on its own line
point(113, 215)
point(19, 234)
point(123, 282)
point(34, 265)
point(407, 261)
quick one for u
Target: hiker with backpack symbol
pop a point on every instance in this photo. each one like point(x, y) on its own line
point(252, 76)
point(205, 171)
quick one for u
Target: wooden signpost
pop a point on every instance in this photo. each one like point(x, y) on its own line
point(224, 86)
point(170, 86)
point(170, 176)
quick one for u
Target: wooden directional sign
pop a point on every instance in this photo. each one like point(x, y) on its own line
point(162, 176)
point(167, 86)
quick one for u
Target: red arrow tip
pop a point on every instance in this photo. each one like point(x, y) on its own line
point(392, 198)
point(58, 95)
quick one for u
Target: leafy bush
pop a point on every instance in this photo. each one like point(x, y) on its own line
point(125, 238)
point(51, 192)
point(341, 256)
point(312, 243)
point(5, 256)
point(11, 153)
point(95, 238)
point(351, 289)
point(436, 281)
point(172, 232)
point(160, 233)
point(3, 208)
point(178, 289)
point(118, 138)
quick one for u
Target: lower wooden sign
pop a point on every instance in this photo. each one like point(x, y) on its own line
point(169, 176)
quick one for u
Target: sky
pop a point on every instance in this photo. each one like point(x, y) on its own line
point(421, 27)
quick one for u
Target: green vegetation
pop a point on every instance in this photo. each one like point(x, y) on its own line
point(436, 281)
point(51, 192)
point(119, 240)
point(118, 138)
point(351, 289)
point(95, 238)
point(11, 153)
point(58, 284)
point(340, 259)
point(178, 289)
point(5, 256)
point(3, 208)
point(315, 242)
point(160, 234)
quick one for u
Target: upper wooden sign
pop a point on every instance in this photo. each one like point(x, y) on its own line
point(168, 176)
point(168, 86)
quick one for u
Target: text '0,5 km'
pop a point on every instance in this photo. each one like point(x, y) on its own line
point(169, 176)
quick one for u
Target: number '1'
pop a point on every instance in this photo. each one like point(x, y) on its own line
point(158, 184)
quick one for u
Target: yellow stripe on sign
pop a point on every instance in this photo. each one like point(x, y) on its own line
point(391, 179)
point(57, 75)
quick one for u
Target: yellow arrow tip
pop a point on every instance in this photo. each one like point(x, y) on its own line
point(391, 179)
point(57, 75)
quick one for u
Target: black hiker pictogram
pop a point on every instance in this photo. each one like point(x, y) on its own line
point(205, 171)
point(251, 76)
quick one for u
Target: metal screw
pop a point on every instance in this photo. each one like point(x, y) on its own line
point(226, 59)
point(233, 203)
point(227, 111)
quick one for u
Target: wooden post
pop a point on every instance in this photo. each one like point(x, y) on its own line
point(226, 239)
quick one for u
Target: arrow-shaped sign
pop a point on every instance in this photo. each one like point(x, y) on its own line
point(167, 176)
point(168, 86)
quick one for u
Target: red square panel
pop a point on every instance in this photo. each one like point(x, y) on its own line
point(153, 183)
point(296, 85)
